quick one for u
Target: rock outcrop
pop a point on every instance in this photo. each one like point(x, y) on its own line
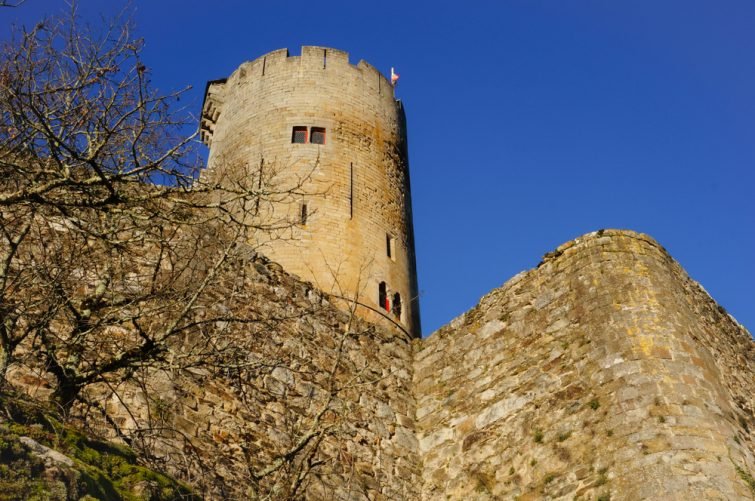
point(41, 457)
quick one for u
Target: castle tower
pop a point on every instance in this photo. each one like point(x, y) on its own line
point(331, 136)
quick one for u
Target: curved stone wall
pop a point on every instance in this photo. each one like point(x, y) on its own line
point(606, 372)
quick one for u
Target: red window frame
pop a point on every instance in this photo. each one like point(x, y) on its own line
point(383, 297)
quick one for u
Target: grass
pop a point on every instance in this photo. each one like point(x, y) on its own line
point(485, 481)
point(594, 404)
point(746, 476)
point(550, 477)
point(538, 436)
point(602, 477)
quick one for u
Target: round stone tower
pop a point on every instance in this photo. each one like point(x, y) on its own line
point(326, 141)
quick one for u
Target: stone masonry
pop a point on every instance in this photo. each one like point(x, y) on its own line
point(309, 373)
point(347, 173)
point(604, 373)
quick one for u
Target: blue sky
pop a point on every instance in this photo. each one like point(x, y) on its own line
point(530, 122)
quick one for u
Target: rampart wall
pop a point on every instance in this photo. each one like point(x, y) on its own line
point(606, 371)
point(355, 185)
point(320, 408)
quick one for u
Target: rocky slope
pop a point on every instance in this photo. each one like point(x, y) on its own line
point(43, 459)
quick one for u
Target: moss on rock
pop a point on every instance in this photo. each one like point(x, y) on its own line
point(41, 458)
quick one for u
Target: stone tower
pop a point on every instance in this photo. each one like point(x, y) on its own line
point(332, 137)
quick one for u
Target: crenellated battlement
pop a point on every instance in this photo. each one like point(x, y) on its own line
point(312, 59)
point(313, 64)
point(316, 116)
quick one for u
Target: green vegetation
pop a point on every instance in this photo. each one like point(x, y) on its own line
point(100, 470)
point(19, 471)
point(602, 477)
point(538, 436)
point(485, 481)
point(594, 404)
point(746, 476)
point(563, 436)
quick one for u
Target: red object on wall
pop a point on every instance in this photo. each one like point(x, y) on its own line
point(387, 304)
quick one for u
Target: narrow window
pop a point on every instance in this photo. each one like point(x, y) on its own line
point(390, 246)
point(318, 135)
point(397, 305)
point(351, 190)
point(299, 135)
point(303, 215)
point(383, 297)
point(259, 186)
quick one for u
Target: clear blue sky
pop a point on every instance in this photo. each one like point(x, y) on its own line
point(530, 122)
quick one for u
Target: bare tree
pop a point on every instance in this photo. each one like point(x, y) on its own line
point(109, 239)
point(120, 262)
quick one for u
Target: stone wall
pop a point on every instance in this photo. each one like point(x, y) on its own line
point(355, 185)
point(317, 405)
point(604, 372)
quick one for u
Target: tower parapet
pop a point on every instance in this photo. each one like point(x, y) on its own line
point(335, 133)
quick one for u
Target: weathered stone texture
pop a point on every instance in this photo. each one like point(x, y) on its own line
point(605, 371)
point(310, 373)
point(356, 185)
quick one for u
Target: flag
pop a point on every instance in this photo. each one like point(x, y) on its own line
point(394, 77)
